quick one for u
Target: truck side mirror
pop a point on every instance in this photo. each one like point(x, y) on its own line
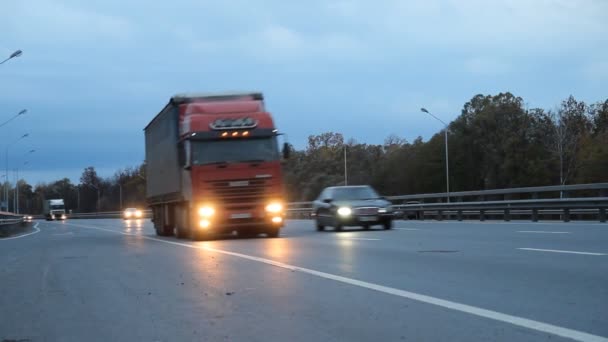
point(286, 151)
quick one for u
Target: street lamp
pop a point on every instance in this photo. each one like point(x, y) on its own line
point(23, 111)
point(13, 55)
point(16, 203)
point(447, 167)
point(6, 155)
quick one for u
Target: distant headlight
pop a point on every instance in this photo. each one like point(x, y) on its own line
point(274, 208)
point(127, 214)
point(63, 217)
point(344, 211)
point(138, 213)
point(382, 210)
point(206, 211)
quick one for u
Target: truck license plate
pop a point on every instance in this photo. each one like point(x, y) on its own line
point(368, 218)
point(240, 216)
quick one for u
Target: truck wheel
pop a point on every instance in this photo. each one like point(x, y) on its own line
point(366, 227)
point(180, 233)
point(199, 235)
point(273, 232)
point(338, 227)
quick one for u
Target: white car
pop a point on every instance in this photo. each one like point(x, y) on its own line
point(132, 213)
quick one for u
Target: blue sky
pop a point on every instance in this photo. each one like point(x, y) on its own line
point(93, 73)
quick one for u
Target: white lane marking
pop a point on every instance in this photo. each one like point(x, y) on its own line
point(541, 232)
point(559, 251)
point(24, 235)
point(517, 223)
point(406, 228)
point(476, 311)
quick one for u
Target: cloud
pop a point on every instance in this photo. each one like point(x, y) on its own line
point(486, 66)
point(597, 70)
point(53, 22)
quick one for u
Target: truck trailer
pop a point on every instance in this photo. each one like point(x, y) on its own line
point(54, 209)
point(213, 166)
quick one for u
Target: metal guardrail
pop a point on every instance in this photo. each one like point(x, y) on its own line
point(601, 190)
point(532, 208)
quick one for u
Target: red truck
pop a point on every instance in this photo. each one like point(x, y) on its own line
point(213, 165)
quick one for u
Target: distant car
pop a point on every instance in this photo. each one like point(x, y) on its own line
point(28, 218)
point(132, 213)
point(341, 206)
point(411, 214)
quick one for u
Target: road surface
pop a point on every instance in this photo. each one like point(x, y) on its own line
point(110, 280)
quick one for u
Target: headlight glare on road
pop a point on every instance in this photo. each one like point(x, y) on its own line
point(274, 207)
point(344, 211)
point(206, 211)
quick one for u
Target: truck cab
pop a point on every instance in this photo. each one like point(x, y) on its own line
point(214, 166)
point(54, 209)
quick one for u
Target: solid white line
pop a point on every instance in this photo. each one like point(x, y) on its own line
point(541, 232)
point(406, 228)
point(494, 315)
point(560, 251)
point(24, 235)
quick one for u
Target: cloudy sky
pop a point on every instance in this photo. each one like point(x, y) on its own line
point(93, 73)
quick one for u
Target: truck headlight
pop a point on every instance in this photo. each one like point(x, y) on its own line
point(344, 211)
point(206, 211)
point(274, 207)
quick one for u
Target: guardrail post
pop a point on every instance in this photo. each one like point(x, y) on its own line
point(566, 215)
point(439, 215)
point(459, 215)
point(482, 215)
point(507, 216)
point(602, 214)
point(421, 215)
point(534, 215)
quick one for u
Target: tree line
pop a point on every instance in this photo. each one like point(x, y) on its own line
point(496, 142)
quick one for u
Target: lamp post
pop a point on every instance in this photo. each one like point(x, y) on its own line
point(13, 55)
point(447, 167)
point(345, 167)
point(6, 154)
point(16, 205)
point(23, 111)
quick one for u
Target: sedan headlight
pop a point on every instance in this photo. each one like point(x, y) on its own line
point(274, 208)
point(206, 211)
point(138, 213)
point(127, 214)
point(344, 211)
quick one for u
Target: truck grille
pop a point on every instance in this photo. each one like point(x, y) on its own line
point(366, 211)
point(239, 192)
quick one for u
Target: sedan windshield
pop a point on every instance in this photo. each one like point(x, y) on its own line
point(241, 150)
point(354, 193)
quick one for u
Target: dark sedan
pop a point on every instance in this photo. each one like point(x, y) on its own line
point(341, 206)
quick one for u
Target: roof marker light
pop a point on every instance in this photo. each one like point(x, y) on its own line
point(234, 134)
point(246, 133)
point(225, 134)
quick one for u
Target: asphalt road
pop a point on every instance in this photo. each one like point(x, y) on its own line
point(109, 280)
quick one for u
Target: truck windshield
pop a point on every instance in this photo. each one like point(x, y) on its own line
point(56, 206)
point(241, 150)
